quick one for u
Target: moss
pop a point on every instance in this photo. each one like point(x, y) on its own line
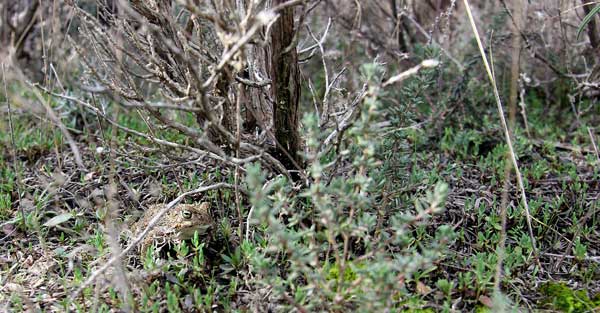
point(334, 273)
point(428, 310)
point(482, 309)
point(565, 299)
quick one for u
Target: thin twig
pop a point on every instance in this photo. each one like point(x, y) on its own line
point(589, 129)
point(14, 148)
point(411, 71)
point(166, 143)
point(238, 126)
point(346, 122)
point(582, 221)
point(505, 128)
point(513, 98)
point(529, 46)
point(587, 258)
point(56, 120)
point(433, 42)
point(251, 211)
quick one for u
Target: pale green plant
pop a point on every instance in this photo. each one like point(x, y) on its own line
point(331, 251)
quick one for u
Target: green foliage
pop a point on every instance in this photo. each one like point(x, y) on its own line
point(31, 140)
point(314, 259)
point(5, 205)
point(333, 272)
point(464, 143)
point(172, 298)
point(419, 311)
point(363, 232)
point(565, 299)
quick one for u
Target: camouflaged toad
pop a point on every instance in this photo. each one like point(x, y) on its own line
point(178, 224)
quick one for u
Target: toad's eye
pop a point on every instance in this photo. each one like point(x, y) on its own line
point(186, 214)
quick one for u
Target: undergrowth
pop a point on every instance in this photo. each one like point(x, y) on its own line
point(403, 216)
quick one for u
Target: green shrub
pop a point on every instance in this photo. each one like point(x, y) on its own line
point(338, 225)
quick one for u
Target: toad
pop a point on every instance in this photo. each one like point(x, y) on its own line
point(178, 224)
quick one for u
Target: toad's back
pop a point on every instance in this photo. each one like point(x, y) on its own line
point(178, 224)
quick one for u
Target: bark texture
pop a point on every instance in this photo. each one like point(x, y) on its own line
point(285, 78)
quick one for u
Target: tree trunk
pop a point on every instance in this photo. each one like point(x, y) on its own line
point(285, 88)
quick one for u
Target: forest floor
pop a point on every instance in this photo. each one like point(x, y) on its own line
point(44, 257)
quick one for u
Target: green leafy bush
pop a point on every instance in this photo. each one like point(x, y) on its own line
point(333, 245)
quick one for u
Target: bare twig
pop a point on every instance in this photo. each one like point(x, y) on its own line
point(523, 106)
point(14, 147)
point(591, 133)
point(582, 221)
point(56, 120)
point(251, 211)
point(587, 258)
point(531, 49)
point(506, 130)
point(512, 108)
point(410, 72)
point(223, 158)
point(181, 78)
point(346, 122)
point(446, 52)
